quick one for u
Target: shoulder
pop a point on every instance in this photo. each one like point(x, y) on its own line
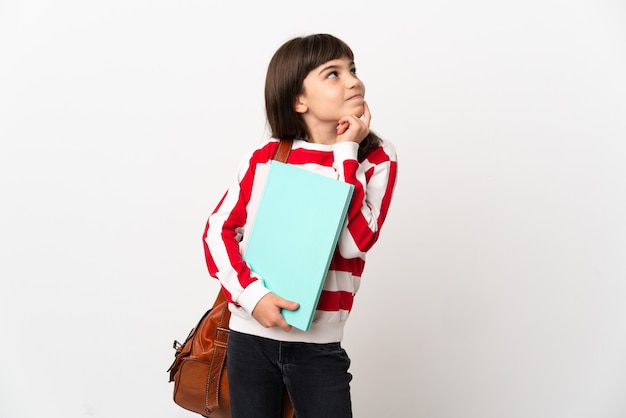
point(385, 152)
point(389, 149)
point(264, 151)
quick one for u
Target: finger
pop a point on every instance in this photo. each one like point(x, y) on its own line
point(342, 127)
point(287, 304)
point(279, 320)
point(367, 116)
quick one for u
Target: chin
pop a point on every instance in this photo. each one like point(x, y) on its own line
point(359, 111)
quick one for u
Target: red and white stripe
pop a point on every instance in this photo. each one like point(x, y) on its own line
point(373, 179)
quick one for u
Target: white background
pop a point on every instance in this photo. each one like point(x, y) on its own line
point(498, 287)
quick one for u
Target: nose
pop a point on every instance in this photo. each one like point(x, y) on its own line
point(353, 82)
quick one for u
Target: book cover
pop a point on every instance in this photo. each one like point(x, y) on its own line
point(295, 230)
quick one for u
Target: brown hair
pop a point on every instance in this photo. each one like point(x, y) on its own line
point(286, 72)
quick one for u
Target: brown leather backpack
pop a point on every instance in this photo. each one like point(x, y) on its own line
point(199, 368)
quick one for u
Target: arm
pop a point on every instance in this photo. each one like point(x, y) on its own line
point(222, 237)
point(221, 242)
point(373, 180)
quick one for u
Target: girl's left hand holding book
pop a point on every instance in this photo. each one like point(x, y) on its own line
point(267, 311)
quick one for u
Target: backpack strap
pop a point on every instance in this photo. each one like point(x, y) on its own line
point(283, 150)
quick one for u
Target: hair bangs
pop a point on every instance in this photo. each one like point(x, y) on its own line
point(322, 48)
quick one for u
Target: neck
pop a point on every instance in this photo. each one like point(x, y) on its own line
point(323, 134)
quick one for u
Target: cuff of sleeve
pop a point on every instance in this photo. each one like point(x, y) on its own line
point(345, 151)
point(251, 295)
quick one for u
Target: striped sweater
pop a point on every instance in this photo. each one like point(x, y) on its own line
point(373, 179)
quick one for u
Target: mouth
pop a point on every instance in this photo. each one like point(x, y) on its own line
point(357, 96)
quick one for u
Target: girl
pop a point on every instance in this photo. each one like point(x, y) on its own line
point(314, 97)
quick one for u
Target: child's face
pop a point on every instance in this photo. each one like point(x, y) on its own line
point(331, 91)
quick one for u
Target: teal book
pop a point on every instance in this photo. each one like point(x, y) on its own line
point(294, 233)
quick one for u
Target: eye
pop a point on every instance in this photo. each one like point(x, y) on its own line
point(332, 74)
point(353, 71)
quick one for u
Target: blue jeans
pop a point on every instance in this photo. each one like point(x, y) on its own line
point(315, 375)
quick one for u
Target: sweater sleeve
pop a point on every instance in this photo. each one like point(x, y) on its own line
point(374, 181)
point(222, 237)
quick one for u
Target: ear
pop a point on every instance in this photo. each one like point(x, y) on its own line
point(300, 105)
